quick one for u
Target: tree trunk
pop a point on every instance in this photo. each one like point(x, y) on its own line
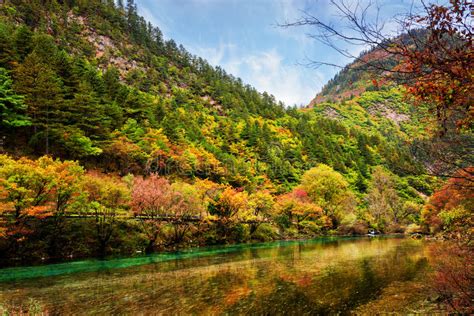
point(150, 247)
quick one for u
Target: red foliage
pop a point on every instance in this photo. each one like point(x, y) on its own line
point(442, 65)
point(154, 196)
point(453, 276)
point(458, 190)
point(300, 194)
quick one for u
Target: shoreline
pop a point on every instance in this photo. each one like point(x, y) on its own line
point(184, 248)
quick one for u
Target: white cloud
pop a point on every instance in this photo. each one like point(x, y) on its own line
point(267, 71)
point(214, 55)
point(289, 11)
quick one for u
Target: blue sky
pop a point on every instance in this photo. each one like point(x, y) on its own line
point(242, 36)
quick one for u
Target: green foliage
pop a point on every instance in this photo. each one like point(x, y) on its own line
point(12, 107)
point(265, 232)
point(77, 144)
point(328, 189)
point(84, 100)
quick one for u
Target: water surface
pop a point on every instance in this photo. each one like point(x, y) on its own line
point(327, 275)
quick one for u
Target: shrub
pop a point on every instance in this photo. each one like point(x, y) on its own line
point(265, 232)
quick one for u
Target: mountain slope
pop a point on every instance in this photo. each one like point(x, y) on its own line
point(124, 100)
point(171, 152)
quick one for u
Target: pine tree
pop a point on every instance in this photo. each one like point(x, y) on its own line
point(7, 53)
point(23, 41)
point(87, 113)
point(43, 95)
point(120, 5)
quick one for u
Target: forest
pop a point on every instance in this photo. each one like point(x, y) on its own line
point(116, 141)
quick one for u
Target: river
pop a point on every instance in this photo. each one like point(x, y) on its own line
point(320, 276)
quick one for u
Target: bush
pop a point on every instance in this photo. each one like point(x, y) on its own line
point(394, 228)
point(240, 233)
point(283, 221)
point(291, 232)
point(453, 276)
point(357, 227)
point(310, 228)
point(265, 232)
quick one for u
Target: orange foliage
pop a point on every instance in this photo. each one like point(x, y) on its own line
point(35, 189)
point(298, 205)
point(457, 191)
point(124, 155)
point(230, 203)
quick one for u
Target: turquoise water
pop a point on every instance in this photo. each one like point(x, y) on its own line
point(12, 274)
point(326, 275)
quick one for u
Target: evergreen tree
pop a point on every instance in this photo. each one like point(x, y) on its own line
point(7, 52)
point(86, 113)
point(120, 4)
point(23, 41)
point(43, 95)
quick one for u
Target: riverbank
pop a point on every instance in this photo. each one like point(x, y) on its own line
point(79, 240)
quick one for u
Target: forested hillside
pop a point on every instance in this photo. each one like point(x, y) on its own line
point(140, 127)
point(123, 98)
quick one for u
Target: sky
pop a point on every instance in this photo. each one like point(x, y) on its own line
point(243, 37)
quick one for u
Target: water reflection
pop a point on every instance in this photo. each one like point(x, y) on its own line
point(317, 277)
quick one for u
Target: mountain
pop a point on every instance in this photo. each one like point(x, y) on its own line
point(123, 99)
point(372, 70)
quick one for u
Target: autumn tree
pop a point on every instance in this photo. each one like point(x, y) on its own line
point(153, 200)
point(188, 210)
point(228, 207)
point(442, 64)
point(208, 192)
point(384, 204)
point(451, 207)
point(298, 207)
point(329, 190)
point(229, 204)
point(261, 206)
point(44, 188)
point(65, 192)
point(105, 197)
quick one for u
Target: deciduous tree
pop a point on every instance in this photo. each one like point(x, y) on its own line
point(383, 201)
point(12, 107)
point(329, 190)
point(105, 197)
point(298, 207)
point(154, 200)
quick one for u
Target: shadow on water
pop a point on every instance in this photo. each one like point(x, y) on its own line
point(322, 276)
